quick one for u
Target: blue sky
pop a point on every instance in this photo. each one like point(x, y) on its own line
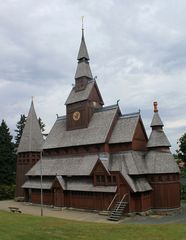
point(137, 51)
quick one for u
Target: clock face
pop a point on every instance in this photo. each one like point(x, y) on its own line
point(76, 116)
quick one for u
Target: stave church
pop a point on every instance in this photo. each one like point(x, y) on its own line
point(95, 157)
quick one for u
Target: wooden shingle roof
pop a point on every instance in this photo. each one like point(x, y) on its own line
point(36, 184)
point(131, 164)
point(83, 184)
point(161, 162)
point(156, 120)
point(124, 130)
point(96, 132)
point(83, 70)
point(83, 53)
point(158, 139)
point(70, 184)
point(78, 96)
point(65, 166)
point(31, 139)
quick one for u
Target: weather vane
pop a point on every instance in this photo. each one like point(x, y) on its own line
point(82, 19)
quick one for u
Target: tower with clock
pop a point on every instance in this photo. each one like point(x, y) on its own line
point(85, 96)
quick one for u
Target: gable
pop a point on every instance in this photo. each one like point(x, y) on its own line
point(99, 168)
point(95, 95)
point(140, 139)
point(78, 96)
point(58, 182)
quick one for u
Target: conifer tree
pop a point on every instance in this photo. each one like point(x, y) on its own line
point(20, 126)
point(41, 124)
point(182, 147)
point(7, 156)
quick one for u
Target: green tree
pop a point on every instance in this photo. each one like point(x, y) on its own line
point(7, 156)
point(20, 126)
point(182, 147)
point(41, 124)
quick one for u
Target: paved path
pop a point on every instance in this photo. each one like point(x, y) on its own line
point(92, 216)
point(54, 212)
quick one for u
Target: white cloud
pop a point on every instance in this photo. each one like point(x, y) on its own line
point(176, 123)
point(137, 50)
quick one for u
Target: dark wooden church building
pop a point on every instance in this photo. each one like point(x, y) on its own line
point(95, 156)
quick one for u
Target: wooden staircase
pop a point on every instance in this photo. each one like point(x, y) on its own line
point(118, 209)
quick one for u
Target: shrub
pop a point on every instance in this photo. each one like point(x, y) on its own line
point(7, 192)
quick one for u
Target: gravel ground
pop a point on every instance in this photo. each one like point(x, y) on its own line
point(93, 216)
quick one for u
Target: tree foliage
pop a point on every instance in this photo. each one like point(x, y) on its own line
point(7, 156)
point(41, 124)
point(182, 147)
point(20, 126)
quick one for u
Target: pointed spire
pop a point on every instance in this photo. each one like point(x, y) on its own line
point(156, 121)
point(157, 137)
point(31, 139)
point(83, 68)
point(83, 53)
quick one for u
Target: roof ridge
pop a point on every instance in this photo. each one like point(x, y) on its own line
point(128, 115)
point(63, 117)
point(110, 107)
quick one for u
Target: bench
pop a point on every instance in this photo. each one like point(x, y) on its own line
point(15, 209)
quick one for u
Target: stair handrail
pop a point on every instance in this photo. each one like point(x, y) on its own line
point(121, 201)
point(112, 201)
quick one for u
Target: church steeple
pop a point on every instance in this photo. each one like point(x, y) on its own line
point(83, 72)
point(85, 96)
point(83, 53)
point(157, 138)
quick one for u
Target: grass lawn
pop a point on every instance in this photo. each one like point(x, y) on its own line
point(26, 227)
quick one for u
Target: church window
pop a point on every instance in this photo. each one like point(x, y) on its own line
point(114, 179)
point(100, 179)
point(109, 180)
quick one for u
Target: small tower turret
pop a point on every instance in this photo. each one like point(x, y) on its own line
point(29, 149)
point(157, 139)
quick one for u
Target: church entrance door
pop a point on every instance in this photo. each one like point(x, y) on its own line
point(58, 197)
